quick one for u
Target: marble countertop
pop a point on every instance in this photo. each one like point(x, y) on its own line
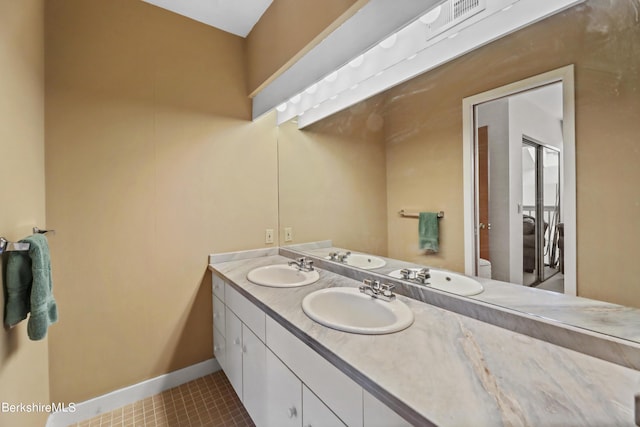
point(598, 316)
point(453, 370)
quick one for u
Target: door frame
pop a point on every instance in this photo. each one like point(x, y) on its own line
point(565, 75)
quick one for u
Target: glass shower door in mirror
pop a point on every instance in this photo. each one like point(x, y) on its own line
point(540, 212)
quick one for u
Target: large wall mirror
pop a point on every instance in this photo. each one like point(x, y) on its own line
point(347, 177)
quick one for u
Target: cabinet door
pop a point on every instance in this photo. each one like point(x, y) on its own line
point(315, 413)
point(335, 388)
point(377, 414)
point(219, 349)
point(233, 362)
point(218, 315)
point(284, 395)
point(254, 376)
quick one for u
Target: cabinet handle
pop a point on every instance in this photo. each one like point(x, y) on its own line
point(216, 315)
point(292, 412)
point(244, 348)
point(216, 348)
point(236, 341)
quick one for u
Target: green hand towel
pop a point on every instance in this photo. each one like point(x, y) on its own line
point(428, 234)
point(29, 288)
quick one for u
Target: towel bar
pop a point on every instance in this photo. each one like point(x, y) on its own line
point(416, 215)
point(7, 246)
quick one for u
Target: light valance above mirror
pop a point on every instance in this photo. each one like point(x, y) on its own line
point(351, 65)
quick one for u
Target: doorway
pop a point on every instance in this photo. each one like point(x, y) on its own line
point(520, 177)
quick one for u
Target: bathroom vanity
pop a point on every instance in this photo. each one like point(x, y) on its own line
point(445, 369)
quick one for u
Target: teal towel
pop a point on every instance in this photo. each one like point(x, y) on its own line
point(30, 289)
point(428, 231)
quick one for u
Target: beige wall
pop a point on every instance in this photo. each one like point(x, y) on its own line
point(332, 180)
point(602, 39)
point(24, 369)
point(152, 164)
point(287, 30)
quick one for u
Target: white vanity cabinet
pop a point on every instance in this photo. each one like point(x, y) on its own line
point(284, 395)
point(280, 380)
point(233, 354)
point(316, 413)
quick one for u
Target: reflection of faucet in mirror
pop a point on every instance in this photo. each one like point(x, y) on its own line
point(339, 256)
point(419, 276)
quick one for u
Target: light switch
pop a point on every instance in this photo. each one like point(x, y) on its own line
point(288, 234)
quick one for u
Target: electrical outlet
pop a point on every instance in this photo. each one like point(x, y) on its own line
point(268, 235)
point(288, 234)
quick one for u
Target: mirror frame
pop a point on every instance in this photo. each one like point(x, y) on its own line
point(565, 75)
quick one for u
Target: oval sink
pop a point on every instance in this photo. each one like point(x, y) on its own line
point(364, 261)
point(282, 276)
point(448, 281)
point(349, 310)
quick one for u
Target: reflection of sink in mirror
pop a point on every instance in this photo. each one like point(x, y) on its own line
point(349, 310)
point(448, 281)
point(282, 276)
point(364, 261)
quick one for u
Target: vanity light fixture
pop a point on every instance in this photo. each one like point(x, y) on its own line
point(414, 49)
point(331, 77)
point(282, 107)
point(389, 41)
point(431, 16)
point(357, 61)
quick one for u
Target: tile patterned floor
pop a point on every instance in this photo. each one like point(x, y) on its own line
point(206, 401)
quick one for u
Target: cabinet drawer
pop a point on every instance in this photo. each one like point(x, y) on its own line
point(250, 315)
point(338, 391)
point(217, 285)
point(315, 413)
point(377, 414)
point(218, 315)
point(219, 348)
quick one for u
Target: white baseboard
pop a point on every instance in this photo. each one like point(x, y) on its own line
point(119, 398)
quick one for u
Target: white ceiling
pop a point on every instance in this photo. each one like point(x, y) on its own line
point(234, 16)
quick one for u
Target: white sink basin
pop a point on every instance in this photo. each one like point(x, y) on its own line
point(364, 261)
point(282, 276)
point(449, 282)
point(349, 310)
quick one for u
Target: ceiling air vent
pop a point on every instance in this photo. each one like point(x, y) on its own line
point(449, 14)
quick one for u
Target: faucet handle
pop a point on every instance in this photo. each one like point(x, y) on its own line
point(406, 273)
point(423, 275)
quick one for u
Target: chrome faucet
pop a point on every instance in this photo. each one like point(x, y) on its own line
point(421, 276)
point(377, 290)
point(339, 256)
point(302, 264)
